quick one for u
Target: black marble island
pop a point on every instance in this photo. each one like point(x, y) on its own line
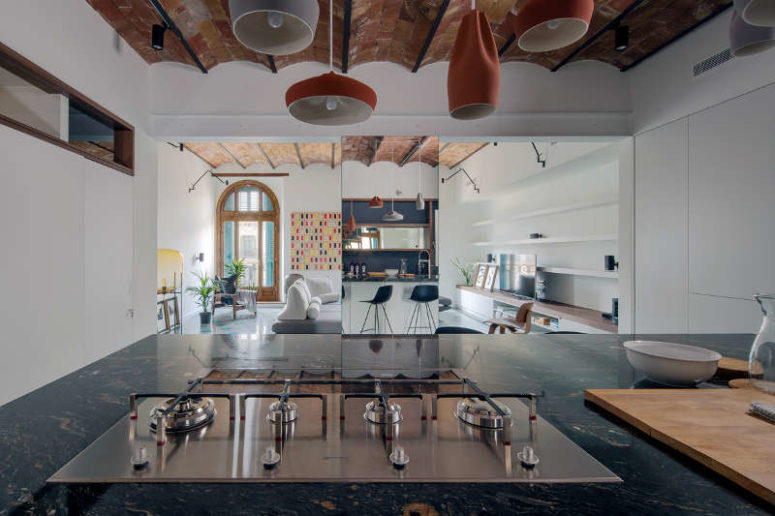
point(43, 430)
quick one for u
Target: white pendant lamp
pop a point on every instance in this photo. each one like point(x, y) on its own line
point(275, 27)
point(747, 40)
point(545, 25)
point(392, 215)
point(757, 12)
point(331, 99)
point(419, 202)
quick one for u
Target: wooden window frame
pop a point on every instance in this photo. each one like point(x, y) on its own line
point(123, 132)
point(221, 216)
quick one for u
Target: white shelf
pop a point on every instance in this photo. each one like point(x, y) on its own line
point(581, 272)
point(552, 211)
point(551, 240)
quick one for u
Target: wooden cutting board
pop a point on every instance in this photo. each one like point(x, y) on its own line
point(712, 426)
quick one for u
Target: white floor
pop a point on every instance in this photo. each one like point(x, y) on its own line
point(261, 323)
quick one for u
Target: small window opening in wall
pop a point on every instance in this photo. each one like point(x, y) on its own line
point(37, 103)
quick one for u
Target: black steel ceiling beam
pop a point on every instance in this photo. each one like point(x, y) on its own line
point(431, 35)
point(272, 65)
point(677, 37)
point(609, 26)
point(413, 151)
point(348, 15)
point(174, 28)
point(506, 45)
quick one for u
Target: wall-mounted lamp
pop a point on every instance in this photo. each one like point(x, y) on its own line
point(157, 36)
point(193, 186)
point(622, 38)
point(473, 183)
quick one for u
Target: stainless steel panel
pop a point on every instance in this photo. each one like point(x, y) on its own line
point(334, 449)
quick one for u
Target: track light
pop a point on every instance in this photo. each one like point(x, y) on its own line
point(157, 36)
point(622, 38)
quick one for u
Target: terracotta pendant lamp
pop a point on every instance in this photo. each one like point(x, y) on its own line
point(545, 25)
point(351, 226)
point(376, 202)
point(275, 27)
point(746, 39)
point(474, 77)
point(331, 99)
point(760, 13)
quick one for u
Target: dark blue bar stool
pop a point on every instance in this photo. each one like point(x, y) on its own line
point(382, 296)
point(423, 296)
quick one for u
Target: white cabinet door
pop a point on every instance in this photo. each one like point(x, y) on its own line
point(661, 189)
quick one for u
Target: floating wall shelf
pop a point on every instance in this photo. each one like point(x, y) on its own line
point(550, 240)
point(581, 272)
point(552, 211)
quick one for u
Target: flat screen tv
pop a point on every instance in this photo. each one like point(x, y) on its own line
point(518, 274)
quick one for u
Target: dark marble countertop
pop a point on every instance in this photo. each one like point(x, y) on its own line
point(43, 430)
point(371, 279)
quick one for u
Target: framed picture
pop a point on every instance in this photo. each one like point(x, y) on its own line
point(173, 315)
point(481, 275)
point(162, 317)
point(492, 273)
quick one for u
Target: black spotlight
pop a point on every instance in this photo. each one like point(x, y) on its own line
point(622, 38)
point(157, 36)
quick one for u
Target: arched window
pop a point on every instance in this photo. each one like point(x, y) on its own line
point(248, 220)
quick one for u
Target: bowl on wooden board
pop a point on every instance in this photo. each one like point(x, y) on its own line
point(671, 364)
point(391, 272)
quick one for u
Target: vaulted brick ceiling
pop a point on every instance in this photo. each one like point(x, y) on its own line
point(396, 149)
point(269, 155)
point(397, 30)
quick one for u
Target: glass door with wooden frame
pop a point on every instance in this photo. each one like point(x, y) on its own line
point(248, 217)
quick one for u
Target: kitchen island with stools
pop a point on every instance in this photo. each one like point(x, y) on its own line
point(43, 431)
point(383, 305)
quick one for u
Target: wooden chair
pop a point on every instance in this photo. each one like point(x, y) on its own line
point(520, 323)
point(219, 300)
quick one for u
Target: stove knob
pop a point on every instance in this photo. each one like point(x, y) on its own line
point(399, 458)
point(139, 459)
point(528, 457)
point(270, 458)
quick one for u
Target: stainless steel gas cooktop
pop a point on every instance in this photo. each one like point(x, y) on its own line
point(266, 426)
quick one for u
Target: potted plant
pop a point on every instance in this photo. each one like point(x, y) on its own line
point(234, 272)
point(465, 269)
point(202, 293)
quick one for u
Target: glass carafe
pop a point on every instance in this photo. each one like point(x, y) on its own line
point(761, 364)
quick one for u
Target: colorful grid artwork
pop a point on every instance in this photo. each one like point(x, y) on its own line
point(316, 241)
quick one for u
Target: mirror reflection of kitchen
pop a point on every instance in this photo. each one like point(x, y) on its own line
point(390, 230)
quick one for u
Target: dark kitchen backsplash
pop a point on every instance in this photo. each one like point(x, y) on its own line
point(379, 261)
point(365, 215)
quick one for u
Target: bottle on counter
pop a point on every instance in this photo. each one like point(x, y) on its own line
point(363, 269)
point(402, 269)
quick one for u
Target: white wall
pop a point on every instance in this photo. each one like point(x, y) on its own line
point(513, 183)
point(586, 98)
point(704, 235)
point(705, 180)
point(388, 180)
point(186, 220)
point(78, 241)
point(317, 187)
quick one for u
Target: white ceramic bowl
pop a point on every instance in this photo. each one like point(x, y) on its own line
point(672, 364)
point(391, 272)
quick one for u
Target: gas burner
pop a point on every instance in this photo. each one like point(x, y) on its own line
point(482, 413)
point(187, 415)
point(382, 412)
point(287, 410)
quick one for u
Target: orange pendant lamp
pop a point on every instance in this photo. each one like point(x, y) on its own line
point(331, 99)
point(376, 202)
point(545, 25)
point(474, 77)
point(351, 226)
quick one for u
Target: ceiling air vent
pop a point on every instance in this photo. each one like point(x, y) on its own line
point(713, 61)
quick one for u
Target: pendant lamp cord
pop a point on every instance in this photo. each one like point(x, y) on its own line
point(331, 36)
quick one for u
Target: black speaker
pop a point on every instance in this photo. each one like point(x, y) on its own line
point(610, 262)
